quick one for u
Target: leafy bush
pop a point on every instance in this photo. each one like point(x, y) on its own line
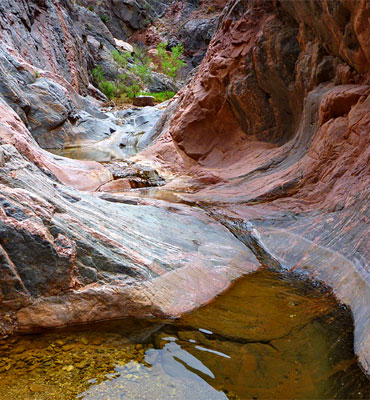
point(138, 72)
point(104, 18)
point(159, 97)
point(133, 73)
point(98, 74)
point(108, 88)
point(129, 83)
point(121, 59)
point(170, 64)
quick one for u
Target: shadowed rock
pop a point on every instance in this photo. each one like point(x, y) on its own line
point(143, 101)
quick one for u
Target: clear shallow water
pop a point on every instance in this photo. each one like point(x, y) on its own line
point(270, 336)
point(93, 154)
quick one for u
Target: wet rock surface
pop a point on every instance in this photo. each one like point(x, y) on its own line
point(265, 155)
point(89, 251)
point(273, 130)
point(138, 128)
point(270, 336)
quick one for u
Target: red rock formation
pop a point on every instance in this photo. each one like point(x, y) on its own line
point(270, 138)
point(278, 119)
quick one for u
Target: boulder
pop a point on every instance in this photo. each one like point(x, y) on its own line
point(143, 101)
point(123, 46)
point(162, 83)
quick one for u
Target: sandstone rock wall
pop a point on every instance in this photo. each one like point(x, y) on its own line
point(272, 134)
point(270, 139)
point(46, 34)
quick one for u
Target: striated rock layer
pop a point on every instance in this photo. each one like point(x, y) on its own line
point(68, 256)
point(268, 143)
point(272, 135)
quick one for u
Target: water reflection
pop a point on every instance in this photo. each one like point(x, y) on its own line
point(270, 336)
point(172, 374)
point(95, 154)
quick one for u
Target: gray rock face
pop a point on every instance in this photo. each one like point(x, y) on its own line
point(59, 246)
point(123, 17)
point(95, 27)
point(161, 83)
point(47, 34)
point(52, 111)
point(137, 130)
point(196, 35)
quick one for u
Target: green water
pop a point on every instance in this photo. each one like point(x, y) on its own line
point(269, 337)
point(94, 154)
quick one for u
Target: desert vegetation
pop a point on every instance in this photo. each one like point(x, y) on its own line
point(134, 73)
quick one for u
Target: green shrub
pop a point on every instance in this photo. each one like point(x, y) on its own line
point(159, 97)
point(107, 87)
point(133, 74)
point(104, 18)
point(170, 64)
point(138, 73)
point(141, 54)
point(37, 75)
point(121, 59)
point(98, 73)
point(129, 83)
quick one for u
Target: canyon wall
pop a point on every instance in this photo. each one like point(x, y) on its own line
point(70, 253)
point(266, 152)
point(272, 138)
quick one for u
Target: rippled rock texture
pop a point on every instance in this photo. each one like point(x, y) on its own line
point(272, 134)
point(70, 257)
point(270, 139)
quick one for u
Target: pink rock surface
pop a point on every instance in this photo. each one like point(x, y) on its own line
point(280, 126)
